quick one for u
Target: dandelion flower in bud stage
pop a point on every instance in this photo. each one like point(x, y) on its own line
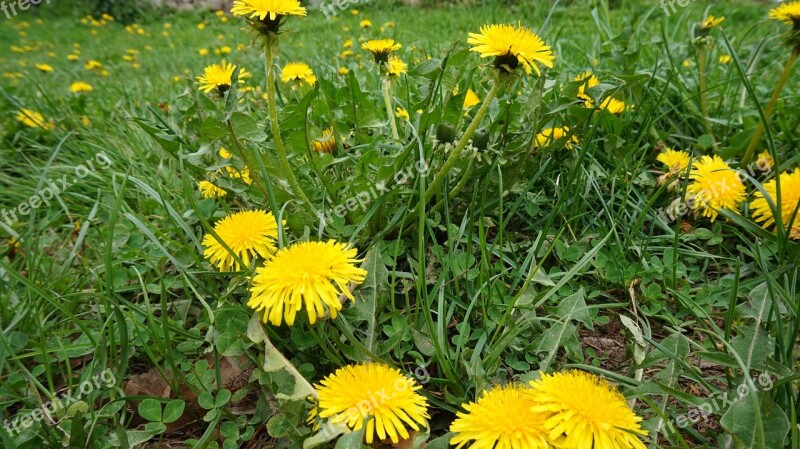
point(788, 13)
point(676, 161)
point(80, 87)
point(790, 201)
point(381, 48)
point(271, 10)
point(765, 162)
point(715, 186)
point(613, 106)
point(396, 66)
point(471, 99)
point(712, 22)
point(248, 234)
point(44, 68)
point(218, 76)
point(306, 275)
point(550, 135)
point(326, 143)
point(502, 418)
point(586, 411)
point(209, 190)
point(33, 119)
point(298, 71)
point(511, 47)
point(354, 392)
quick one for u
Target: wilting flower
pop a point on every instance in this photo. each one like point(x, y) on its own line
point(676, 161)
point(80, 87)
point(396, 66)
point(298, 71)
point(712, 22)
point(218, 76)
point(380, 49)
point(502, 418)
point(306, 275)
point(613, 106)
point(550, 135)
point(511, 47)
point(266, 15)
point(788, 13)
point(326, 143)
point(209, 190)
point(471, 99)
point(247, 233)
point(788, 207)
point(715, 186)
point(765, 162)
point(587, 411)
point(354, 392)
point(44, 68)
point(587, 80)
point(33, 119)
point(401, 113)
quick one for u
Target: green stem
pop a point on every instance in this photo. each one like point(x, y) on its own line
point(702, 65)
point(461, 184)
point(787, 70)
point(276, 132)
point(451, 161)
point(387, 99)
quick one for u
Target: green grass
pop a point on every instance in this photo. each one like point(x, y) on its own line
point(521, 261)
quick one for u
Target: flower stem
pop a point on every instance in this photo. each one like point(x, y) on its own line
point(451, 161)
point(702, 62)
point(387, 99)
point(276, 132)
point(787, 70)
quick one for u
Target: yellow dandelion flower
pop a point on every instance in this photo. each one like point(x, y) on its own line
point(501, 419)
point(712, 22)
point(725, 59)
point(587, 80)
point(550, 135)
point(613, 106)
point(243, 174)
point(299, 72)
point(225, 50)
point(381, 48)
point(85, 121)
point(765, 162)
point(79, 87)
point(587, 411)
point(306, 275)
point(715, 186)
point(788, 208)
point(343, 71)
point(471, 99)
point(355, 12)
point(365, 23)
point(401, 113)
point(203, 52)
point(33, 119)
point(326, 143)
point(72, 58)
point(348, 43)
point(269, 13)
point(788, 13)
point(224, 153)
point(393, 400)
point(92, 64)
point(218, 76)
point(248, 234)
point(209, 190)
point(676, 161)
point(44, 68)
point(396, 66)
point(511, 47)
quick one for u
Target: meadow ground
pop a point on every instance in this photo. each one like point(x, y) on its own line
point(521, 259)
